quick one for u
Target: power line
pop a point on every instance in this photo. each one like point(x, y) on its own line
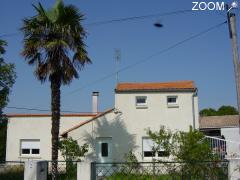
point(138, 17)
point(132, 65)
point(149, 57)
point(42, 110)
point(10, 34)
point(117, 20)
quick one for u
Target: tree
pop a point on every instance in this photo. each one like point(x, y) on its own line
point(54, 44)
point(71, 151)
point(208, 112)
point(200, 162)
point(161, 138)
point(7, 79)
point(7, 76)
point(223, 110)
point(191, 146)
point(227, 110)
point(191, 150)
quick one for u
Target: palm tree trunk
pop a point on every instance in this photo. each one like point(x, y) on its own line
point(55, 106)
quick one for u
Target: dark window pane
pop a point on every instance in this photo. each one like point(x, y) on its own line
point(35, 151)
point(214, 132)
point(25, 151)
point(148, 153)
point(163, 153)
point(141, 100)
point(104, 149)
point(172, 100)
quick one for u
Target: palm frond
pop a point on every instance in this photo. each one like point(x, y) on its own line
point(50, 36)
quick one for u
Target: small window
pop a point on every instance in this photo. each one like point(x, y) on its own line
point(25, 151)
point(163, 153)
point(35, 151)
point(30, 147)
point(149, 154)
point(172, 101)
point(104, 149)
point(141, 101)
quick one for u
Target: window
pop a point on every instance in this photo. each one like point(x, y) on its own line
point(104, 149)
point(148, 149)
point(30, 147)
point(172, 101)
point(141, 101)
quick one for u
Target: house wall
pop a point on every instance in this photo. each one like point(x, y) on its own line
point(158, 113)
point(109, 126)
point(128, 127)
point(232, 137)
point(34, 128)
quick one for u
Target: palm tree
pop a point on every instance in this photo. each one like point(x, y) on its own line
point(53, 43)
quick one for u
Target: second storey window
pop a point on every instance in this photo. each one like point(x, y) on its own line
point(172, 101)
point(141, 101)
point(30, 147)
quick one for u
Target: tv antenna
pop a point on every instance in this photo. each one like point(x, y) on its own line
point(117, 59)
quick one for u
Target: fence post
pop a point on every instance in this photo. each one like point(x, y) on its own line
point(84, 170)
point(35, 170)
point(233, 168)
point(93, 171)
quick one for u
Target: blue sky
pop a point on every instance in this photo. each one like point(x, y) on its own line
point(207, 59)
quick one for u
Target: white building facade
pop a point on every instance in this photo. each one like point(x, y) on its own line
point(29, 135)
point(115, 132)
point(138, 106)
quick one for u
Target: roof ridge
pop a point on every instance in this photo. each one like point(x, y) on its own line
point(87, 121)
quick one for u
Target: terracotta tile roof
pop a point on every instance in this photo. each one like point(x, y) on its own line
point(156, 86)
point(49, 115)
point(218, 121)
point(86, 122)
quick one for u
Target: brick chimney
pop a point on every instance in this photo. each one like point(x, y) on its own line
point(95, 102)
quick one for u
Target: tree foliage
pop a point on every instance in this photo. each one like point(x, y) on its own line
point(223, 110)
point(190, 149)
point(7, 76)
point(7, 79)
point(161, 138)
point(71, 151)
point(191, 146)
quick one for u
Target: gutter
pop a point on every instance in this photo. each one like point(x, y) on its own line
point(193, 108)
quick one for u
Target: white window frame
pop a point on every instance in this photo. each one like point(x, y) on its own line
point(141, 105)
point(172, 104)
point(30, 144)
point(145, 147)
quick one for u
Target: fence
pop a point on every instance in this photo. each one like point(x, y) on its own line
point(224, 148)
point(160, 170)
point(11, 170)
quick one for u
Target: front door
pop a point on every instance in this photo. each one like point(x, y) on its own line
point(104, 149)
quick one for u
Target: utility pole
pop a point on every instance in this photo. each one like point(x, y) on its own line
point(233, 37)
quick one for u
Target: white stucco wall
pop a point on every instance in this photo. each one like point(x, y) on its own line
point(34, 128)
point(127, 128)
point(108, 126)
point(232, 137)
point(158, 113)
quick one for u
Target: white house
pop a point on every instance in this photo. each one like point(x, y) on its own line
point(116, 131)
point(29, 135)
point(138, 106)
